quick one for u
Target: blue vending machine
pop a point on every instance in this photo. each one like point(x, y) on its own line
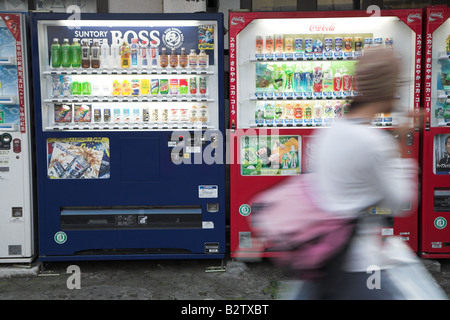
point(129, 136)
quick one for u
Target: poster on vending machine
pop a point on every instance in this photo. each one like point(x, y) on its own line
point(78, 158)
point(442, 154)
point(270, 155)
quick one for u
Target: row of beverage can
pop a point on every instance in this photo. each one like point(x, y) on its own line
point(66, 86)
point(317, 43)
point(86, 113)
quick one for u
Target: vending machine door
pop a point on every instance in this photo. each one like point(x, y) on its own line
point(17, 223)
point(128, 124)
point(292, 75)
point(436, 135)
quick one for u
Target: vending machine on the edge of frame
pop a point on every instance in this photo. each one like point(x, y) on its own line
point(129, 123)
point(291, 74)
point(17, 209)
point(435, 238)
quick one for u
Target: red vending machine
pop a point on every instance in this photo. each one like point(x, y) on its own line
point(291, 75)
point(435, 235)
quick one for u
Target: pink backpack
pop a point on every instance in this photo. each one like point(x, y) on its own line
point(304, 237)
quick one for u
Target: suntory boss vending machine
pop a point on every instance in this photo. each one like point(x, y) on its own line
point(435, 238)
point(291, 74)
point(17, 214)
point(129, 122)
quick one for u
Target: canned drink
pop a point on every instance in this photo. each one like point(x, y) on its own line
point(358, 44)
point(59, 169)
point(145, 87)
point(269, 44)
point(126, 117)
point(86, 88)
point(97, 115)
point(337, 44)
point(279, 43)
point(116, 115)
point(174, 114)
point(308, 45)
point(259, 44)
point(82, 113)
point(328, 44)
point(136, 115)
point(165, 115)
point(145, 115)
point(56, 86)
point(173, 86)
point(107, 115)
point(163, 86)
point(289, 45)
point(202, 85)
point(155, 115)
point(388, 42)
point(184, 114)
point(135, 87)
point(67, 88)
point(298, 44)
point(76, 168)
point(183, 86)
point(62, 113)
point(193, 85)
point(76, 88)
point(155, 86)
point(368, 43)
point(348, 44)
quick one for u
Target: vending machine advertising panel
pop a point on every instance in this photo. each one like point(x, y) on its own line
point(435, 240)
point(129, 122)
point(17, 233)
point(291, 74)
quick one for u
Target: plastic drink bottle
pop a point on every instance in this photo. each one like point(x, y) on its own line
point(104, 54)
point(173, 60)
point(202, 59)
point(85, 55)
point(293, 157)
point(163, 58)
point(144, 54)
point(154, 53)
point(115, 53)
point(125, 55)
point(337, 81)
point(318, 75)
point(346, 80)
point(66, 60)
point(56, 53)
point(289, 73)
point(327, 78)
point(192, 59)
point(183, 61)
point(318, 113)
point(134, 52)
point(95, 54)
point(75, 49)
point(307, 78)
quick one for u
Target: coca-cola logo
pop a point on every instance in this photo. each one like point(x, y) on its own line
point(414, 18)
point(434, 16)
point(237, 20)
point(347, 82)
point(322, 27)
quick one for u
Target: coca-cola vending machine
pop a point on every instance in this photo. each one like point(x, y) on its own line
point(291, 75)
point(435, 239)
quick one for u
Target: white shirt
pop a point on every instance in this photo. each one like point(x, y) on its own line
point(358, 167)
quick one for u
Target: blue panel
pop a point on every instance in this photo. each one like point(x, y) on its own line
point(139, 159)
